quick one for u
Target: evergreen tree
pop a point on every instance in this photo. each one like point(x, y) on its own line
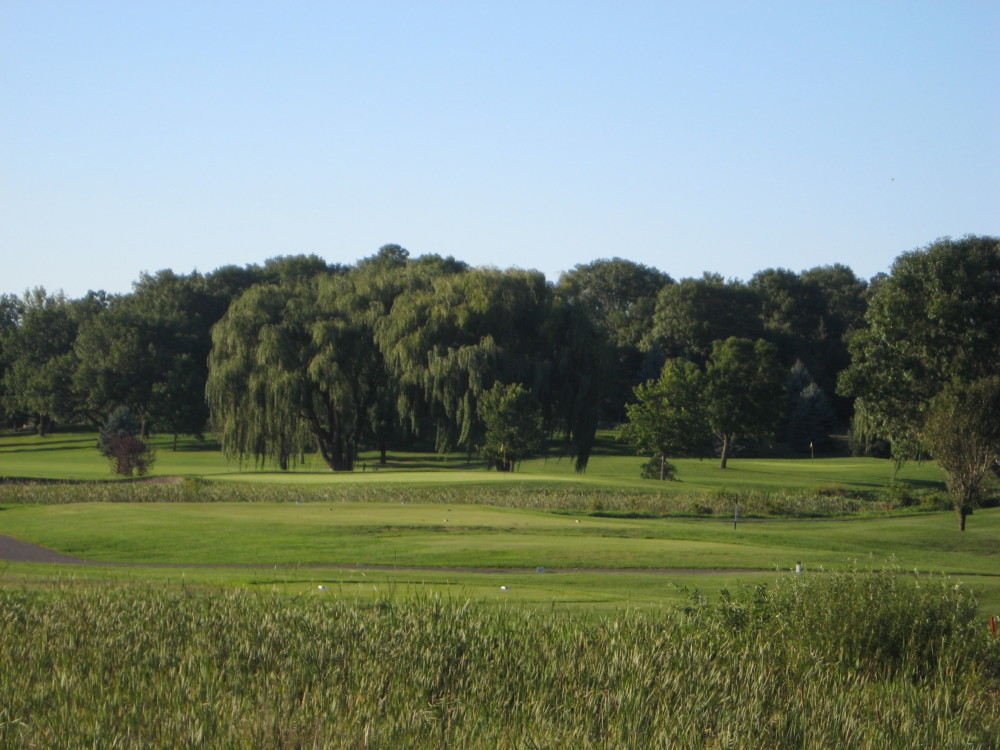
point(812, 420)
point(809, 418)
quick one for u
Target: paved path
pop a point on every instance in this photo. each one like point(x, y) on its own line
point(15, 550)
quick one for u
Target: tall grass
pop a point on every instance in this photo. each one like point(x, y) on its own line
point(871, 660)
point(825, 502)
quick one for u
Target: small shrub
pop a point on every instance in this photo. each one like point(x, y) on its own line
point(902, 495)
point(651, 470)
point(830, 490)
point(119, 441)
point(130, 455)
point(938, 501)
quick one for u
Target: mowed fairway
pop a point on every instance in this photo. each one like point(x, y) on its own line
point(73, 456)
point(478, 536)
point(583, 556)
point(419, 546)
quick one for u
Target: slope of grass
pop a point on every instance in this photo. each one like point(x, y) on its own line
point(482, 536)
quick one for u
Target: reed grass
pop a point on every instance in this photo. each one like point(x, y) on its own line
point(854, 659)
point(753, 502)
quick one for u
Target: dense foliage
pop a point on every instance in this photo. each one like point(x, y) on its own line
point(827, 660)
point(512, 425)
point(298, 355)
point(932, 325)
point(668, 417)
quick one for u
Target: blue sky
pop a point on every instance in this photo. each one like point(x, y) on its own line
point(689, 136)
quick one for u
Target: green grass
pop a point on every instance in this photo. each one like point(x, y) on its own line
point(262, 646)
point(809, 661)
point(72, 456)
point(417, 512)
point(563, 592)
point(460, 536)
point(482, 536)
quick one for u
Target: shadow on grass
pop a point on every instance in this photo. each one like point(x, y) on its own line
point(189, 446)
point(37, 449)
point(418, 464)
point(43, 446)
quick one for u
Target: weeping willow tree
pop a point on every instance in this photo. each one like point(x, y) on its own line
point(293, 368)
point(328, 361)
point(437, 344)
point(447, 342)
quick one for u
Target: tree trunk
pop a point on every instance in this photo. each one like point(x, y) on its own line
point(663, 467)
point(338, 459)
point(725, 451)
point(383, 450)
point(962, 513)
point(337, 453)
point(336, 448)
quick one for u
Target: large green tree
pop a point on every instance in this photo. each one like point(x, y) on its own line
point(668, 417)
point(933, 321)
point(40, 357)
point(290, 370)
point(809, 315)
point(149, 349)
point(744, 392)
point(512, 426)
point(844, 301)
point(11, 309)
point(693, 313)
point(295, 364)
point(620, 297)
point(445, 343)
point(619, 294)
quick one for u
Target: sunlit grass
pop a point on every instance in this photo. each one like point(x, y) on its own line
point(420, 534)
point(135, 666)
point(73, 456)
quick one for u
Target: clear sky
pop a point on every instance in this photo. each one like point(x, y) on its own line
point(689, 136)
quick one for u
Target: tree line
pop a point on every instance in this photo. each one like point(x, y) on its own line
point(298, 355)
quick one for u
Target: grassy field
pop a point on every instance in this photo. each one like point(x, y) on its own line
point(486, 537)
point(284, 539)
point(72, 456)
point(433, 604)
point(811, 661)
point(424, 511)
